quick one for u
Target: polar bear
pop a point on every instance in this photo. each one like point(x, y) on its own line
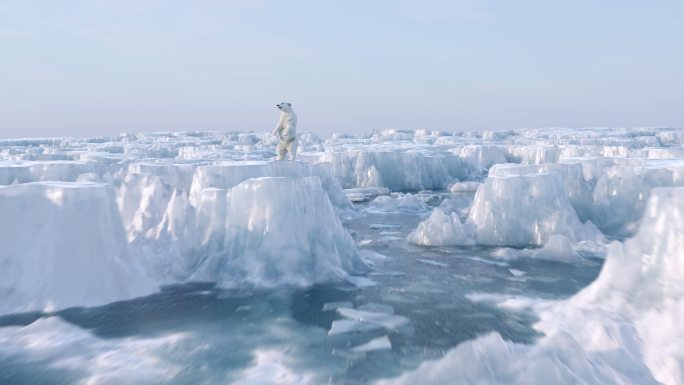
point(286, 131)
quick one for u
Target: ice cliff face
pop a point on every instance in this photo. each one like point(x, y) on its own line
point(64, 245)
point(580, 199)
point(638, 299)
point(145, 224)
point(270, 232)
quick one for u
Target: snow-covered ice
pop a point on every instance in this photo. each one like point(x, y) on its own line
point(440, 229)
point(407, 203)
point(380, 343)
point(522, 210)
point(64, 245)
point(623, 328)
point(400, 244)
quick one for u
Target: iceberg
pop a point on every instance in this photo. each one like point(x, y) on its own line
point(271, 231)
point(439, 229)
point(523, 210)
point(557, 248)
point(64, 245)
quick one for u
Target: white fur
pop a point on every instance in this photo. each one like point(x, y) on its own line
point(286, 131)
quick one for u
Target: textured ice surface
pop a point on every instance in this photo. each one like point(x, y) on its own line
point(385, 320)
point(521, 210)
point(557, 248)
point(179, 221)
point(464, 186)
point(440, 229)
point(251, 234)
point(83, 216)
point(362, 194)
point(349, 325)
point(407, 203)
point(64, 245)
point(623, 328)
point(380, 343)
point(82, 357)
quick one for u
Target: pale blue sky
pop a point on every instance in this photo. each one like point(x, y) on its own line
point(100, 67)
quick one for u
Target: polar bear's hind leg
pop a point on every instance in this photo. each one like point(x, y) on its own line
point(282, 150)
point(292, 149)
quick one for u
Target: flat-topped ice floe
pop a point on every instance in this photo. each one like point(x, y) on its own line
point(226, 175)
point(526, 210)
point(398, 169)
point(64, 245)
point(268, 232)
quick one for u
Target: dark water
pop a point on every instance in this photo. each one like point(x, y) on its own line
point(224, 330)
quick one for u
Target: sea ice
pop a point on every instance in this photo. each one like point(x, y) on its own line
point(439, 229)
point(464, 186)
point(89, 359)
point(272, 231)
point(361, 281)
point(388, 321)
point(522, 210)
point(557, 248)
point(380, 343)
point(622, 329)
point(64, 245)
point(407, 203)
point(348, 325)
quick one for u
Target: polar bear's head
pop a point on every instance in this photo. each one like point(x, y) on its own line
point(284, 106)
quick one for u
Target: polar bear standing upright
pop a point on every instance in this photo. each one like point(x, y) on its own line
point(286, 131)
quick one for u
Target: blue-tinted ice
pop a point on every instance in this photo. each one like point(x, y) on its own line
point(414, 304)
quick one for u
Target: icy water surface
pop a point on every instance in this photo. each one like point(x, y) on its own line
point(424, 300)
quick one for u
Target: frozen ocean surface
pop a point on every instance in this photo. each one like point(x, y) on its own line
point(531, 256)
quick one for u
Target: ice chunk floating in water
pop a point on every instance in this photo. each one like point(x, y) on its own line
point(440, 229)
